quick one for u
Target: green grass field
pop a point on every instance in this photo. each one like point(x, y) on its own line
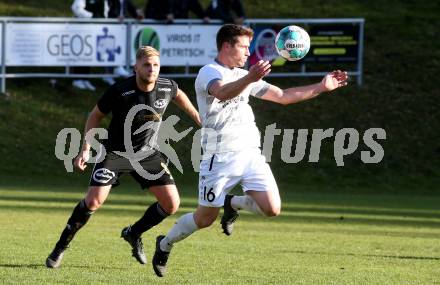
point(320, 238)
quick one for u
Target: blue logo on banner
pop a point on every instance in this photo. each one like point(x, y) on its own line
point(106, 47)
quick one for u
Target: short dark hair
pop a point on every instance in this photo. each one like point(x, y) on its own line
point(229, 33)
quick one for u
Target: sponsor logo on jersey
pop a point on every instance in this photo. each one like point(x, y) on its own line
point(103, 175)
point(235, 100)
point(160, 103)
point(164, 89)
point(128, 93)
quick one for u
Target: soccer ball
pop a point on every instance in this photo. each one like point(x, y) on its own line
point(292, 43)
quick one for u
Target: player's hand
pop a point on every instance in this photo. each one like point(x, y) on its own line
point(81, 160)
point(259, 70)
point(334, 79)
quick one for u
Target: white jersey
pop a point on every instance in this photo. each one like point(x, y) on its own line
point(227, 125)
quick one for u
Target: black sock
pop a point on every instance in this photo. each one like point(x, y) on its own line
point(80, 215)
point(153, 216)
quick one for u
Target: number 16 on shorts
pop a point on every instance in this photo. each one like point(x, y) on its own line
point(208, 194)
point(211, 195)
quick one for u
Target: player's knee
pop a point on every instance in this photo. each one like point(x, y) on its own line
point(171, 206)
point(173, 209)
point(93, 203)
point(272, 211)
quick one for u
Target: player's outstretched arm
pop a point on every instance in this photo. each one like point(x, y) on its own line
point(230, 90)
point(182, 101)
point(293, 95)
point(93, 121)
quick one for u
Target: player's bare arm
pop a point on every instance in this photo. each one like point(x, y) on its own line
point(93, 121)
point(183, 102)
point(230, 90)
point(293, 95)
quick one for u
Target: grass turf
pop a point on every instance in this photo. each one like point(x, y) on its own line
point(320, 238)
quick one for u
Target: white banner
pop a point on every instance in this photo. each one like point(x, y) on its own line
point(55, 44)
point(179, 45)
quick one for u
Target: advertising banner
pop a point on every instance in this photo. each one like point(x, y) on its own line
point(333, 43)
point(55, 44)
point(329, 43)
point(179, 45)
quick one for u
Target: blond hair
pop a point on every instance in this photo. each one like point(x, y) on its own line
point(146, 51)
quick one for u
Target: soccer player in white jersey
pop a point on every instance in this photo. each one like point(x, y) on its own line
point(230, 139)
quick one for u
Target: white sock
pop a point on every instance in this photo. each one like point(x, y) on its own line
point(182, 229)
point(245, 203)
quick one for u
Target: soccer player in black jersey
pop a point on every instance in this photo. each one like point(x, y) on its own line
point(153, 93)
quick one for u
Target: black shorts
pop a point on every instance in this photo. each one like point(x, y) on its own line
point(153, 171)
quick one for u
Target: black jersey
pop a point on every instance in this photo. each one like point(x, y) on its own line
point(123, 96)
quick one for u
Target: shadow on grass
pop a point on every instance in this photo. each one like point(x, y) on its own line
point(291, 218)
point(28, 266)
point(368, 255)
point(123, 202)
point(327, 208)
point(300, 208)
point(39, 266)
point(112, 201)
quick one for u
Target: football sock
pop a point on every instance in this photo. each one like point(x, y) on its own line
point(153, 216)
point(80, 215)
point(183, 228)
point(245, 203)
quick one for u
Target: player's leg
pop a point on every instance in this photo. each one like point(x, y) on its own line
point(213, 185)
point(167, 204)
point(267, 202)
point(262, 195)
point(203, 217)
point(104, 174)
point(230, 214)
point(261, 189)
point(184, 227)
point(95, 197)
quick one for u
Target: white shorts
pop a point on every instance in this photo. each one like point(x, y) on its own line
point(222, 171)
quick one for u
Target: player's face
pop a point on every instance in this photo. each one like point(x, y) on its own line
point(239, 52)
point(147, 68)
